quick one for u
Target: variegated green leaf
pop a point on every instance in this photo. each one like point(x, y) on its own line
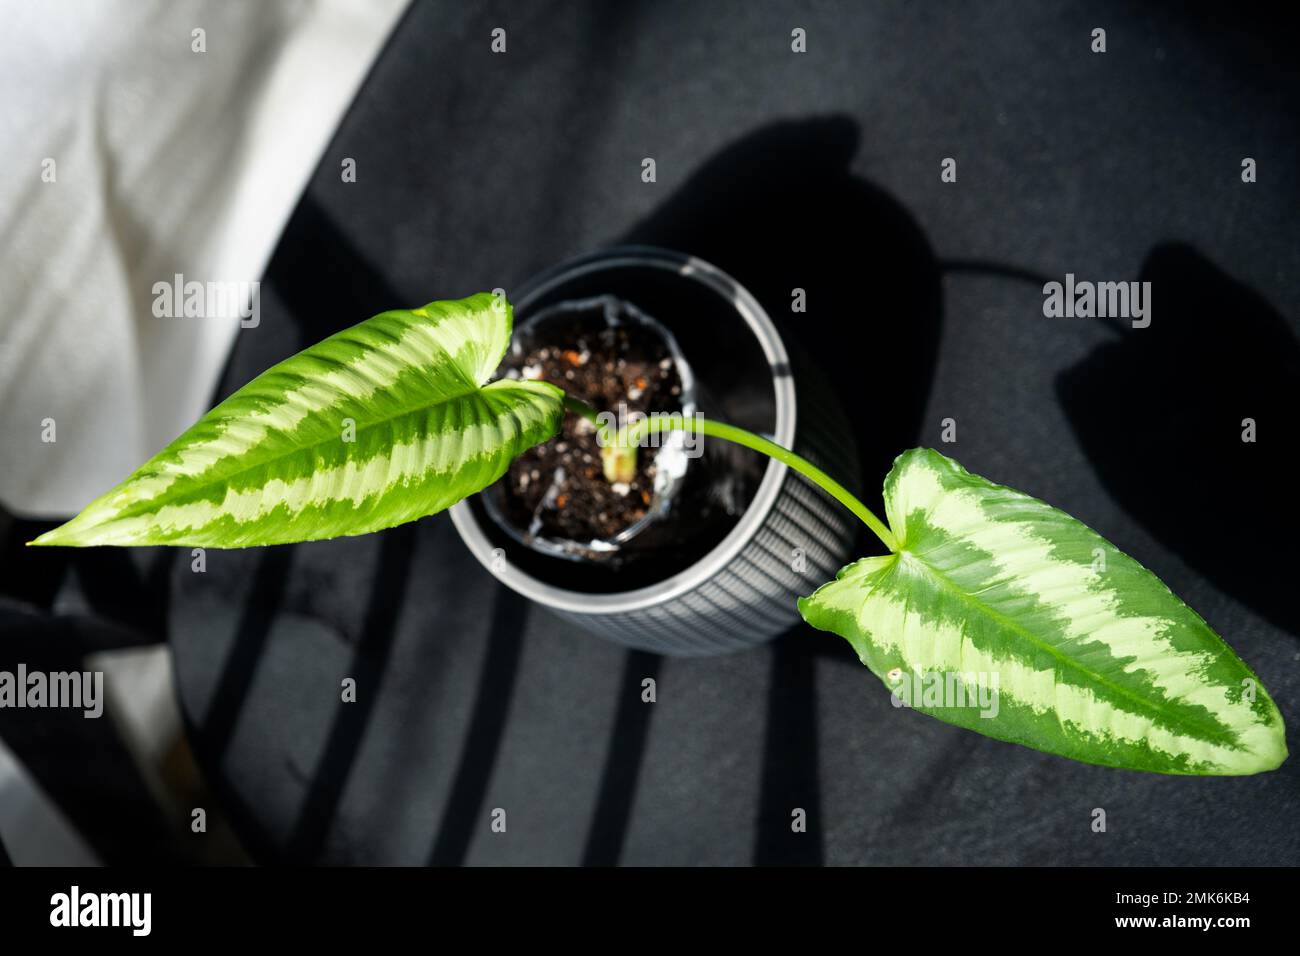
point(377, 425)
point(1003, 615)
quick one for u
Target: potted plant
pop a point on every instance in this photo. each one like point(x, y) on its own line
point(738, 539)
point(988, 609)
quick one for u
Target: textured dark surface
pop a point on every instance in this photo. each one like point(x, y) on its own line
point(819, 171)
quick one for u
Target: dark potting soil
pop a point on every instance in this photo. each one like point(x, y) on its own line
point(558, 489)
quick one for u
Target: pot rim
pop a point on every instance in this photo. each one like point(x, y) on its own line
point(769, 488)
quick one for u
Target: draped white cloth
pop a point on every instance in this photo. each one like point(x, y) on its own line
point(130, 157)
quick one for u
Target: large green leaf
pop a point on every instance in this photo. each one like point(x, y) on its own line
point(1077, 648)
point(379, 424)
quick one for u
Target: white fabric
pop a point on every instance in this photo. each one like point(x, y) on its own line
point(166, 161)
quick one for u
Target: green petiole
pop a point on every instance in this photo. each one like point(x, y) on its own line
point(618, 455)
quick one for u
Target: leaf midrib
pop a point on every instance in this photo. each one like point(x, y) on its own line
point(1019, 628)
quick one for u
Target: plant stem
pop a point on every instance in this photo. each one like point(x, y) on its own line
point(633, 435)
point(583, 410)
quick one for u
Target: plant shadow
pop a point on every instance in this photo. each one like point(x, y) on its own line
point(779, 210)
point(1161, 415)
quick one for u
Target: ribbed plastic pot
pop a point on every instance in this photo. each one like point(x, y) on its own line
point(792, 536)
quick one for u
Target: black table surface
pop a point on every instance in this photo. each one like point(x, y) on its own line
point(820, 171)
